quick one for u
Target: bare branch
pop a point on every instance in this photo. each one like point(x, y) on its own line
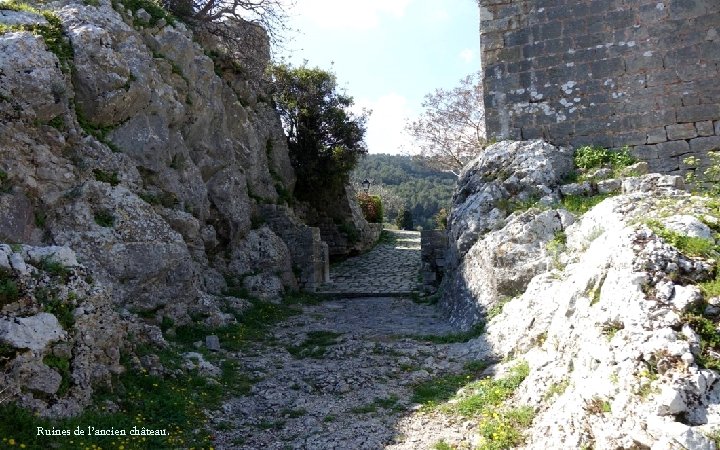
point(451, 130)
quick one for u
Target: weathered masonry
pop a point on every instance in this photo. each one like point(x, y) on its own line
point(609, 72)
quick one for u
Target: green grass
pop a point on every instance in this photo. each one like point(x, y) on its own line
point(579, 204)
point(500, 427)
point(442, 445)
point(315, 345)
point(55, 269)
point(688, 245)
point(432, 393)
point(711, 288)
point(389, 403)
point(503, 429)
point(453, 338)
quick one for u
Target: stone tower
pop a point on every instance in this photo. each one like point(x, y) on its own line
point(643, 73)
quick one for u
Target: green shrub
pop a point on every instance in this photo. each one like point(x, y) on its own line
point(5, 185)
point(404, 220)
point(106, 177)
point(105, 218)
point(371, 206)
point(441, 219)
point(709, 338)
point(589, 157)
point(9, 291)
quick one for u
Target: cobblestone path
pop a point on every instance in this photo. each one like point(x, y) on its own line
point(391, 268)
point(341, 376)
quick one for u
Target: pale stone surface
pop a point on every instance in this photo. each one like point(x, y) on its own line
point(33, 333)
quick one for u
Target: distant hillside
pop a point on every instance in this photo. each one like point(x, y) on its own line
point(401, 182)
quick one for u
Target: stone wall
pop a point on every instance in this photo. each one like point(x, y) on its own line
point(433, 244)
point(309, 253)
point(641, 73)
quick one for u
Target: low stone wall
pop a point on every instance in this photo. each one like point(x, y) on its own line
point(433, 244)
point(309, 253)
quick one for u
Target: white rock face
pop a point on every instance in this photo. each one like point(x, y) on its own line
point(606, 320)
point(33, 333)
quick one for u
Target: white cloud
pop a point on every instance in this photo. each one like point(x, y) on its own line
point(344, 14)
point(467, 55)
point(385, 128)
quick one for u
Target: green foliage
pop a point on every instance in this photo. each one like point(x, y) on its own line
point(164, 198)
point(598, 406)
point(430, 394)
point(62, 366)
point(106, 177)
point(503, 429)
point(105, 218)
point(402, 183)
point(556, 389)
point(589, 157)
point(497, 308)
point(711, 288)
point(579, 204)
point(371, 206)
point(325, 138)
point(9, 291)
point(707, 180)
point(404, 220)
point(442, 445)
point(40, 218)
point(441, 219)
point(55, 269)
point(351, 233)
point(709, 338)
point(5, 185)
point(58, 123)
point(153, 8)
point(314, 345)
point(688, 245)
point(499, 427)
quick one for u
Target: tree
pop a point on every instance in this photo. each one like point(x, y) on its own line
point(451, 129)
point(404, 220)
point(325, 137)
point(271, 15)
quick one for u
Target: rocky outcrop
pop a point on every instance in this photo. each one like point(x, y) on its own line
point(606, 309)
point(60, 335)
point(149, 158)
point(150, 154)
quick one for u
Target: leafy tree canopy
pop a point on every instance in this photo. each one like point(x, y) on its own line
point(325, 137)
point(451, 129)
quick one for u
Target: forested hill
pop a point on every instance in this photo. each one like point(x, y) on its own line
point(401, 182)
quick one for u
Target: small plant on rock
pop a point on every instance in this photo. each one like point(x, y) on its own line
point(105, 219)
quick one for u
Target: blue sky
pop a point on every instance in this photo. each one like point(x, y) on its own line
point(387, 53)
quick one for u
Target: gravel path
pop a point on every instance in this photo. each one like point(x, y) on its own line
point(351, 388)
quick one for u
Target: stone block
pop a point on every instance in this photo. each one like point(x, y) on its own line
point(656, 136)
point(672, 149)
point(705, 128)
point(681, 131)
point(698, 113)
point(704, 144)
point(717, 127)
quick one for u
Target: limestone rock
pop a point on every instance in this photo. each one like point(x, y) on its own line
point(505, 173)
point(34, 332)
point(689, 226)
